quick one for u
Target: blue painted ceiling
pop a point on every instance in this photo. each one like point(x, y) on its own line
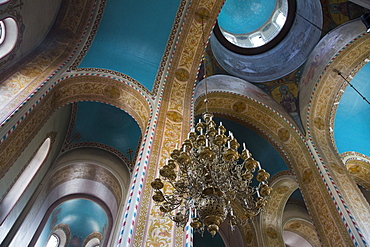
point(245, 16)
point(106, 124)
point(132, 37)
point(352, 119)
point(82, 217)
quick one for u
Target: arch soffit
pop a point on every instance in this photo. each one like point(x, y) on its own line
point(320, 61)
point(328, 90)
point(359, 168)
point(105, 90)
point(317, 103)
point(107, 160)
point(76, 89)
point(303, 228)
point(238, 86)
point(321, 115)
point(270, 124)
point(76, 173)
point(271, 218)
point(358, 165)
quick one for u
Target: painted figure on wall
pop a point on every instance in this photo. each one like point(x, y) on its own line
point(288, 101)
point(312, 67)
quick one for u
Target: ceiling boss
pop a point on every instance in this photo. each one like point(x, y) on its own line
point(208, 176)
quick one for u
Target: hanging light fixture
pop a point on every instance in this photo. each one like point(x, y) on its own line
point(207, 177)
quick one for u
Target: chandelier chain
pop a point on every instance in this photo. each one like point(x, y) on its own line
point(210, 177)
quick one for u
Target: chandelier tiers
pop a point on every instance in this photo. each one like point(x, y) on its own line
point(207, 177)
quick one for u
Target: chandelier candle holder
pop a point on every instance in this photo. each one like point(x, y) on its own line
point(207, 177)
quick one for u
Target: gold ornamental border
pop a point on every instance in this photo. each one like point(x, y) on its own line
point(271, 224)
point(59, 45)
point(321, 119)
point(178, 89)
point(69, 91)
point(104, 90)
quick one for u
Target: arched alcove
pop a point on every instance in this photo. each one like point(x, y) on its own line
point(84, 218)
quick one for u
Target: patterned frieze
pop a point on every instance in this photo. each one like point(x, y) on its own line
point(88, 171)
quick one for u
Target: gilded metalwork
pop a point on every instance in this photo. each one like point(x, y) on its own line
point(205, 175)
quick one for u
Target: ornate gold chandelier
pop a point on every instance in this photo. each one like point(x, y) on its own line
point(207, 177)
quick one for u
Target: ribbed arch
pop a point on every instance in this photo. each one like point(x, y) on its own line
point(271, 217)
point(92, 88)
point(84, 173)
point(302, 228)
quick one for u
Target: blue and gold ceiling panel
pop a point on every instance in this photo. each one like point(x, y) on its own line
point(132, 37)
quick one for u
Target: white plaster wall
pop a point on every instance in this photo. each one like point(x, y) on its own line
point(55, 123)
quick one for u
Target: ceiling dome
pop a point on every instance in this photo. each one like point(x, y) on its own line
point(280, 55)
point(252, 23)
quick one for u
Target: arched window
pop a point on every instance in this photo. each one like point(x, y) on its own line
point(94, 239)
point(2, 32)
point(8, 36)
point(53, 241)
point(94, 242)
point(60, 236)
point(11, 198)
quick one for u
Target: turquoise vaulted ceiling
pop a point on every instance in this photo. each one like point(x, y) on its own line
point(132, 37)
point(105, 124)
point(82, 216)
